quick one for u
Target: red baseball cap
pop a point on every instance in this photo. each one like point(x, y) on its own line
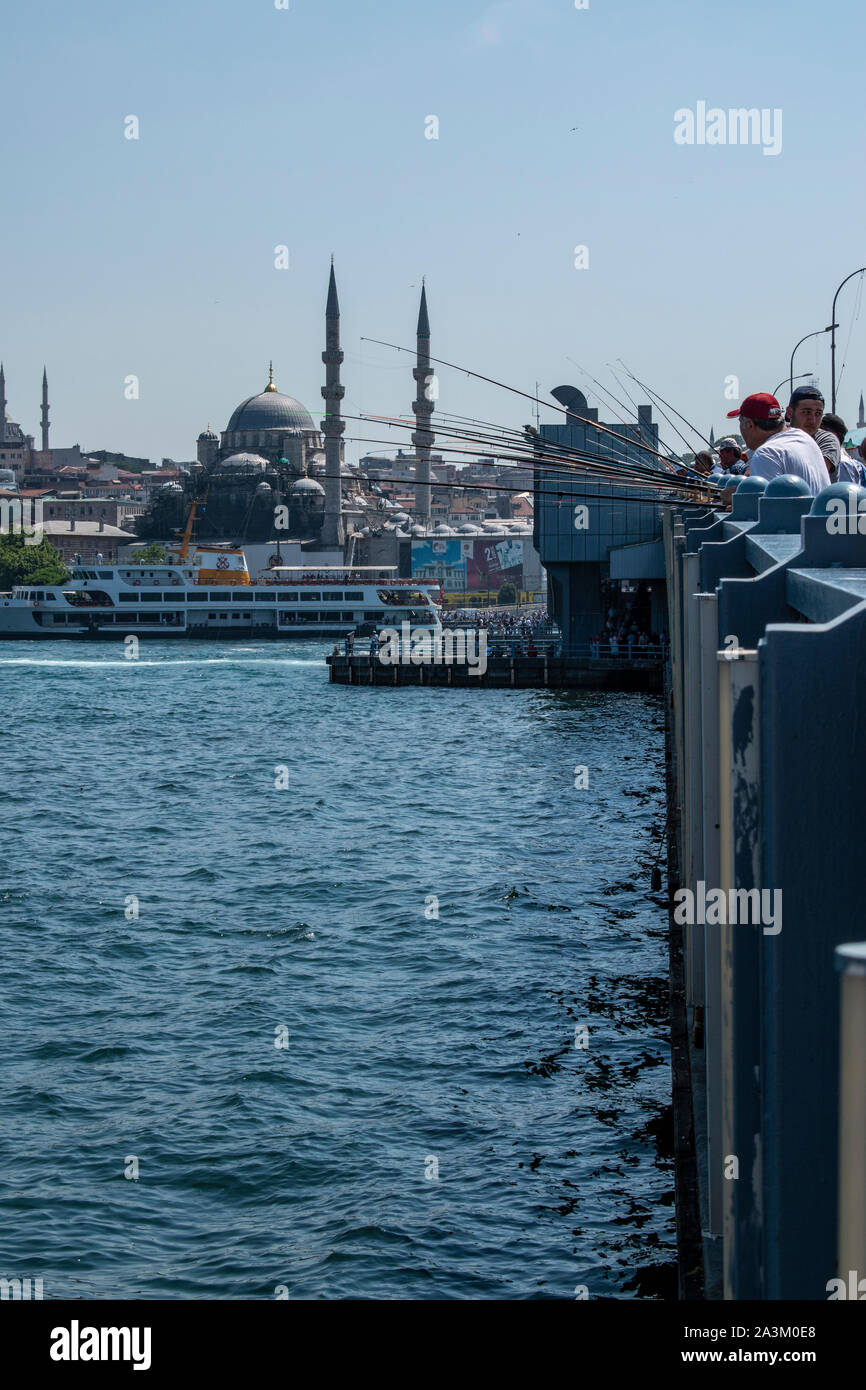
point(760, 406)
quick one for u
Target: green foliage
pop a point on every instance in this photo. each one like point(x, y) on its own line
point(152, 554)
point(507, 594)
point(29, 564)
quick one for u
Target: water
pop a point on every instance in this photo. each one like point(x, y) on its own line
point(308, 915)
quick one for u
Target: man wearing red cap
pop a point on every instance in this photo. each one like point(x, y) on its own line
point(776, 448)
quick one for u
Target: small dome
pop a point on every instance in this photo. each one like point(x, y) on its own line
point(850, 493)
point(418, 530)
point(252, 463)
point(788, 485)
point(263, 487)
point(469, 530)
point(209, 434)
point(308, 486)
point(442, 530)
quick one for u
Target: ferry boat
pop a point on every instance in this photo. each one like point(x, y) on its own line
point(213, 596)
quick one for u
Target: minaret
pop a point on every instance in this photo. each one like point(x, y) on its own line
point(44, 410)
point(861, 421)
point(2, 405)
point(422, 408)
point(712, 438)
point(333, 533)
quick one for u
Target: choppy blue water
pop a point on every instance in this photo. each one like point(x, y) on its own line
point(305, 915)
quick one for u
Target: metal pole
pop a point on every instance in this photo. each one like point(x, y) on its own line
point(798, 377)
point(833, 339)
point(851, 963)
point(818, 331)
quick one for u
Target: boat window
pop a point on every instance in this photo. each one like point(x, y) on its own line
point(311, 598)
point(354, 595)
point(151, 596)
point(128, 598)
point(220, 598)
point(241, 597)
point(106, 574)
point(197, 598)
point(372, 617)
point(50, 598)
point(246, 615)
point(347, 617)
point(223, 616)
point(266, 598)
point(287, 596)
point(334, 598)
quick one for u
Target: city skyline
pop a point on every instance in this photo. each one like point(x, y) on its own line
point(155, 257)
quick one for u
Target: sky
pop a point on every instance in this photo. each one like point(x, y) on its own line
point(307, 127)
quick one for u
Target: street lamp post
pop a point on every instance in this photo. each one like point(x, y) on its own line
point(833, 339)
point(831, 327)
point(790, 380)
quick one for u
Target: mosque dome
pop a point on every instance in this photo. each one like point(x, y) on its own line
point(252, 463)
point(442, 530)
point(469, 530)
point(308, 486)
point(271, 410)
point(209, 434)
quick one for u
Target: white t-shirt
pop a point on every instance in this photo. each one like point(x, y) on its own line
point(791, 451)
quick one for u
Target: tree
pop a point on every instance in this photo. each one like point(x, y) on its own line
point(152, 554)
point(507, 594)
point(29, 564)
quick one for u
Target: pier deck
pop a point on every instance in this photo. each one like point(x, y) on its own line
point(564, 672)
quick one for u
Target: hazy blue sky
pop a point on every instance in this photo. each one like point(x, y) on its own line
point(306, 127)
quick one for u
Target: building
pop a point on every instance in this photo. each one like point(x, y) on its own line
point(89, 539)
point(600, 541)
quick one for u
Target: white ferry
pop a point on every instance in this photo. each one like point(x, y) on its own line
point(213, 596)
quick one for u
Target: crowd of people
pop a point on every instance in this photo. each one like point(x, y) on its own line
point(803, 440)
point(501, 622)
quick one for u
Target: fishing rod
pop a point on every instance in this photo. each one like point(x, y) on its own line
point(611, 472)
point(648, 389)
point(633, 418)
point(492, 381)
point(667, 417)
point(558, 494)
point(530, 441)
point(662, 482)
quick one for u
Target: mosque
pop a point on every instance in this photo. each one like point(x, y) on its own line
point(273, 454)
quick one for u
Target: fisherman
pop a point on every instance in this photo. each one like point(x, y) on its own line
point(806, 409)
point(777, 447)
point(831, 450)
point(850, 470)
point(731, 456)
point(706, 463)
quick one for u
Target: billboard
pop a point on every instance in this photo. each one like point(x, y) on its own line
point(493, 563)
point(471, 564)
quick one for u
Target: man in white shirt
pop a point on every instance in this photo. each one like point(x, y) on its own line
point(776, 448)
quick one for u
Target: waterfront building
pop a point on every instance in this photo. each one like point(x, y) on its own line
point(600, 542)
